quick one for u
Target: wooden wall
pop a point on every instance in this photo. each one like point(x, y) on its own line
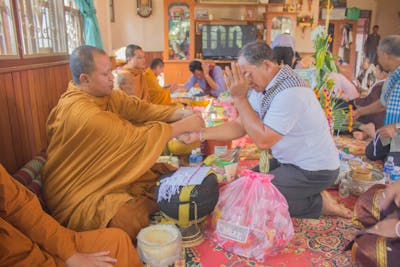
point(27, 95)
point(26, 99)
point(150, 55)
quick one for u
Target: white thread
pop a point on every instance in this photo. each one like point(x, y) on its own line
point(375, 141)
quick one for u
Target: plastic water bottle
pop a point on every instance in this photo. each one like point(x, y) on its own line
point(195, 158)
point(344, 187)
point(395, 175)
point(388, 168)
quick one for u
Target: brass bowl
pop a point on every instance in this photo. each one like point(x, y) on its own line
point(176, 147)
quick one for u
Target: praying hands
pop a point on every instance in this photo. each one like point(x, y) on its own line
point(236, 81)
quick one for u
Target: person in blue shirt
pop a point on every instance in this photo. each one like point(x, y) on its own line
point(209, 77)
point(387, 139)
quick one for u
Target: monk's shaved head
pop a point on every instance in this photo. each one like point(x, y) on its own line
point(121, 77)
point(81, 61)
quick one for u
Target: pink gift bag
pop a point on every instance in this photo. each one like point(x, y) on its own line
point(251, 218)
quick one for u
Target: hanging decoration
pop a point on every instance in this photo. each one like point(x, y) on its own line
point(144, 8)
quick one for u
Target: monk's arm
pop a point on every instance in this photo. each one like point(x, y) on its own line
point(21, 208)
point(179, 114)
point(138, 111)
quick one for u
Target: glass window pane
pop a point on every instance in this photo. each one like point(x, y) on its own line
point(42, 26)
point(8, 44)
point(73, 24)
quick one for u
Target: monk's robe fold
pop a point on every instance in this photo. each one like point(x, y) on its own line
point(158, 94)
point(30, 237)
point(140, 86)
point(100, 151)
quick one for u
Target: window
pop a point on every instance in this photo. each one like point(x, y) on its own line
point(73, 22)
point(8, 43)
point(46, 27)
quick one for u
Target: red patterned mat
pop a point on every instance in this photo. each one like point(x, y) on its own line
point(317, 242)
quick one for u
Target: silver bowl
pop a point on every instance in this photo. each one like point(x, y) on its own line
point(357, 186)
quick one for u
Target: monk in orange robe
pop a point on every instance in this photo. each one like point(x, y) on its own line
point(102, 146)
point(135, 65)
point(31, 237)
point(158, 94)
point(123, 81)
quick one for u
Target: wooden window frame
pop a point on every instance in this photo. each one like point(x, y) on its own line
point(20, 61)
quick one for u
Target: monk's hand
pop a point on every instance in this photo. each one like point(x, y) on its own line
point(390, 195)
point(386, 227)
point(388, 131)
point(98, 259)
point(236, 82)
point(189, 138)
point(187, 112)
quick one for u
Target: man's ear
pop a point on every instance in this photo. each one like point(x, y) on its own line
point(268, 64)
point(83, 78)
point(129, 60)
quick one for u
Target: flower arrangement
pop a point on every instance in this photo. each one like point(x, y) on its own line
point(339, 116)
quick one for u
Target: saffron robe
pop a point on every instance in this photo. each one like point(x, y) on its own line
point(100, 153)
point(30, 237)
point(372, 249)
point(140, 86)
point(158, 94)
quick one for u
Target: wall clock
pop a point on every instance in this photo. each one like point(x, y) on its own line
point(144, 8)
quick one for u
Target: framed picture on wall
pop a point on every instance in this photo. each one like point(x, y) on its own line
point(229, 1)
point(335, 3)
point(201, 13)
